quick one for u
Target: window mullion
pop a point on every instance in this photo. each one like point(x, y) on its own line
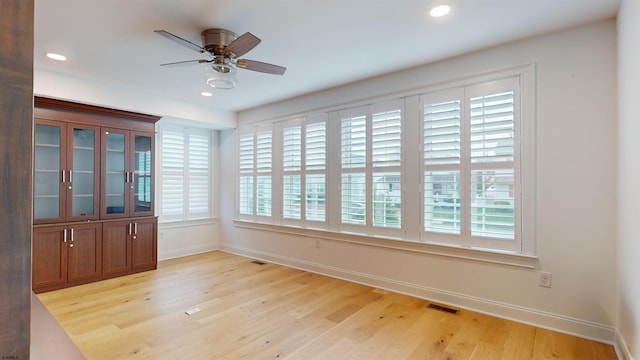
point(465, 170)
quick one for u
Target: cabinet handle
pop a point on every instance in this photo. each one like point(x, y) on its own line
point(64, 176)
point(135, 228)
point(72, 236)
point(64, 235)
point(70, 176)
point(129, 228)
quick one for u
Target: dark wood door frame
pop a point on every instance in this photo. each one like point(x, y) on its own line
point(16, 153)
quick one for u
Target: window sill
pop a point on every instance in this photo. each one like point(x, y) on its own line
point(458, 252)
point(186, 223)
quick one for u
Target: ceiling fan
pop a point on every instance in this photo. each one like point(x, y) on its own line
point(222, 49)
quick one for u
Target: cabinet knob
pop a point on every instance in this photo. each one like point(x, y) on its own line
point(70, 245)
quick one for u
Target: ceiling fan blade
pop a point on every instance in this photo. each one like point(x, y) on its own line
point(242, 44)
point(180, 41)
point(182, 63)
point(260, 66)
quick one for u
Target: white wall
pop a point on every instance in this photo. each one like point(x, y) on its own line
point(576, 176)
point(126, 97)
point(629, 174)
point(183, 239)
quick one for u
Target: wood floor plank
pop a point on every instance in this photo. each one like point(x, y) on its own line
point(251, 311)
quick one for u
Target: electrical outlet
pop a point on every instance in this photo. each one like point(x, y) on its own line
point(545, 279)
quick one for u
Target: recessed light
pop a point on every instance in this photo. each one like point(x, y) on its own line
point(206, 93)
point(57, 57)
point(440, 10)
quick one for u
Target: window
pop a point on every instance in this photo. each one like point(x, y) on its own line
point(185, 173)
point(371, 163)
point(471, 165)
point(304, 149)
point(458, 151)
point(255, 159)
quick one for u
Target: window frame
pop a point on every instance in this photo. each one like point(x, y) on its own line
point(412, 236)
point(186, 131)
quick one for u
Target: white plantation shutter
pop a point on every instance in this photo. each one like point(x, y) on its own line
point(316, 146)
point(264, 162)
point(492, 127)
point(246, 154)
point(386, 139)
point(354, 141)
point(245, 166)
point(172, 178)
point(371, 163)
point(353, 146)
point(185, 173)
point(442, 133)
point(492, 189)
point(291, 166)
point(471, 163)
point(199, 175)
point(386, 158)
point(442, 158)
point(264, 152)
point(315, 167)
point(292, 148)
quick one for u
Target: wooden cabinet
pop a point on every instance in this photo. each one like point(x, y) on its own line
point(66, 255)
point(66, 158)
point(129, 246)
point(93, 194)
point(127, 173)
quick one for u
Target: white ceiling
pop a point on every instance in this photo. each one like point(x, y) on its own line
point(323, 43)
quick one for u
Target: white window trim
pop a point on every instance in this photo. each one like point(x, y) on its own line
point(168, 125)
point(411, 241)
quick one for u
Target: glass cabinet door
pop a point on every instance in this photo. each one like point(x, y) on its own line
point(48, 187)
point(83, 182)
point(115, 175)
point(142, 172)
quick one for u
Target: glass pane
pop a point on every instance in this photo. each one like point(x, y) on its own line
point(353, 199)
point(263, 195)
point(246, 195)
point(442, 201)
point(82, 205)
point(46, 187)
point(46, 207)
point(291, 197)
point(47, 158)
point(315, 193)
point(492, 204)
point(115, 204)
point(115, 175)
point(46, 197)
point(142, 173)
point(387, 196)
point(47, 135)
point(83, 176)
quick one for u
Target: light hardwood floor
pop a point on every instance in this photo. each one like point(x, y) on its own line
point(252, 311)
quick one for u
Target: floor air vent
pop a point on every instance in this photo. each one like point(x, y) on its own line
point(258, 262)
point(442, 308)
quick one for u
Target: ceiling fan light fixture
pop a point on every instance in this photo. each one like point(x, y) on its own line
point(221, 76)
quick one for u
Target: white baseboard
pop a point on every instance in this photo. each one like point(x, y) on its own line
point(577, 327)
point(176, 253)
point(622, 350)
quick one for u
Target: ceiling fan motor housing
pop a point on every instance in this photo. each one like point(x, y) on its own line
point(216, 40)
